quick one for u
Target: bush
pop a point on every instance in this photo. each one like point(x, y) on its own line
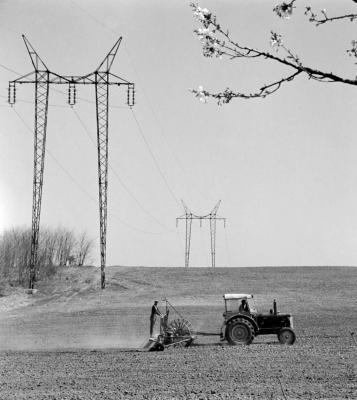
point(56, 247)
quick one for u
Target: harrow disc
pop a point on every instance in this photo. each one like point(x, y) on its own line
point(179, 332)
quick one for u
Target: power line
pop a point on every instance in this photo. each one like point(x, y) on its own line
point(9, 69)
point(92, 17)
point(118, 177)
point(121, 182)
point(141, 132)
point(89, 101)
point(55, 90)
point(57, 162)
point(228, 253)
point(31, 102)
point(136, 120)
point(212, 218)
point(154, 158)
point(160, 130)
point(70, 176)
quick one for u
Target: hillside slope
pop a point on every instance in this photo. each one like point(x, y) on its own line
point(76, 288)
point(71, 311)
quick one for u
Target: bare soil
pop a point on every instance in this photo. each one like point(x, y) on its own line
point(73, 341)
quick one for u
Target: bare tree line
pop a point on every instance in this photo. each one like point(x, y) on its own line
point(57, 247)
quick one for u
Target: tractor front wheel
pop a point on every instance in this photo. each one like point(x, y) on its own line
point(286, 336)
point(239, 331)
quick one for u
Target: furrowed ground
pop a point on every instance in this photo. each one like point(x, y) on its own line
point(72, 340)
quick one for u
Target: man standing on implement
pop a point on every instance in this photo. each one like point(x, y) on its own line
point(154, 312)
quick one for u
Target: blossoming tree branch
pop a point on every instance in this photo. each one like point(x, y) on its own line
point(217, 42)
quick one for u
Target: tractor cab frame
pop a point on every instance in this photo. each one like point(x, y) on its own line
point(233, 302)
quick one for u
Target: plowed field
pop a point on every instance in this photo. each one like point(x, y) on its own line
point(72, 350)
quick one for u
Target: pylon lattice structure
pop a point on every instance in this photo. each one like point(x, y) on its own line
point(42, 78)
point(189, 217)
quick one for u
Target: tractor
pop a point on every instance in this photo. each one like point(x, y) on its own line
point(242, 322)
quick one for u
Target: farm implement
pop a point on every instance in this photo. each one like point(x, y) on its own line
point(241, 324)
point(178, 332)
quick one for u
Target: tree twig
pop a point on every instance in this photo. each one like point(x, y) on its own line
point(319, 21)
point(218, 43)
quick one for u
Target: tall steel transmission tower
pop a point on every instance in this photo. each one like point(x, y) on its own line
point(42, 78)
point(212, 217)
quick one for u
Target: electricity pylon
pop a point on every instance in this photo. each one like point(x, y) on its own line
point(42, 78)
point(212, 217)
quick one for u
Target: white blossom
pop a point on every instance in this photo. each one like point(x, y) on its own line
point(275, 40)
point(284, 10)
point(203, 32)
point(353, 51)
point(203, 15)
point(201, 94)
point(211, 46)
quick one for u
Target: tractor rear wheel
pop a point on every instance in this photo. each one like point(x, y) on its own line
point(286, 336)
point(239, 331)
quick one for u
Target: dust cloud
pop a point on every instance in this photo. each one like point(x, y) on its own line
point(69, 333)
point(36, 343)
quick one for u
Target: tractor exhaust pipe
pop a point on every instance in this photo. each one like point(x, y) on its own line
point(275, 309)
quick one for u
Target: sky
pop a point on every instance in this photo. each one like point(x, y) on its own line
point(284, 167)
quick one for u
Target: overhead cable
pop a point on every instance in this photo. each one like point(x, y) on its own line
point(117, 176)
point(82, 188)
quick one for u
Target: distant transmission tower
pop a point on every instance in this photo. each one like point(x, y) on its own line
point(212, 217)
point(42, 78)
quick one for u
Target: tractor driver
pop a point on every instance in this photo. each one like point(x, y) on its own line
point(244, 308)
point(154, 312)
